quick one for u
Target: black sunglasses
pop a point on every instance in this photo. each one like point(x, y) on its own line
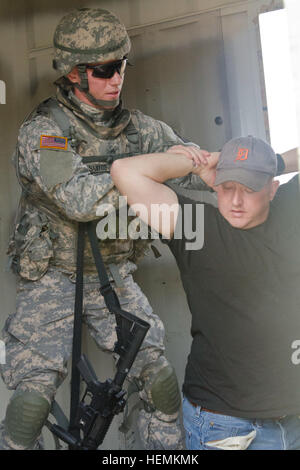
point(108, 70)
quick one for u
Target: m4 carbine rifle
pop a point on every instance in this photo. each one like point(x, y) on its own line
point(89, 421)
point(106, 398)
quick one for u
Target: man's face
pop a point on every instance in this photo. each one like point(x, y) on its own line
point(242, 207)
point(106, 89)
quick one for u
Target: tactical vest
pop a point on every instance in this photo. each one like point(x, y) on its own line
point(43, 228)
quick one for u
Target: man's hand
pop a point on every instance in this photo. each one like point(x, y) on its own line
point(199, 156)
point(204, 162)
point(207, 171)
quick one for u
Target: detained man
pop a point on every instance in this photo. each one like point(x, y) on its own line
point(241, 386)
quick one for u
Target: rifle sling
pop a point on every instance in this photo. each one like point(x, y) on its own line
point(111, 301)
point(110, 296)
point(77, 333)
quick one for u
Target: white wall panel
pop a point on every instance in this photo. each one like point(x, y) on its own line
point(179, 77)
point(242, 70)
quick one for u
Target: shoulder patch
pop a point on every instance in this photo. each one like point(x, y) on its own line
point(56, 166)
point(53, 142)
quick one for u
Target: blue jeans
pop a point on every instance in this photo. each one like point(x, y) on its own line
point(212, 431)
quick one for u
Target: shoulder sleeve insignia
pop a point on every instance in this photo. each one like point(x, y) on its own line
point(56, 166)
point(53, 142)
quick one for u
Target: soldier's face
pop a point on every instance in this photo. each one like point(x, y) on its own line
point(106, 89)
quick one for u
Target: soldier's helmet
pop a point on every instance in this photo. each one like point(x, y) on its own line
point(88, 36)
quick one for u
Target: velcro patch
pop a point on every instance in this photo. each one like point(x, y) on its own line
point(56, 166)
point(53, 142)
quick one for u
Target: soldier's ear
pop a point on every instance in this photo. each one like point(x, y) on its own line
point(73, 76)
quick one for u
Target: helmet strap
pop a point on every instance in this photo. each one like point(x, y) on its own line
point(84, 88)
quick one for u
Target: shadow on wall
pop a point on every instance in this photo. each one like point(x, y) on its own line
point(19, 8)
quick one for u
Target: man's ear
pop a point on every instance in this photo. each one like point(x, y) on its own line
point(73, 76)
point(274, 186)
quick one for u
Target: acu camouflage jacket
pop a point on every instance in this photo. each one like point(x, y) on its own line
point(64, 181)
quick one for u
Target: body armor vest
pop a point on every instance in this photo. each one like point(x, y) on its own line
point(41, 218)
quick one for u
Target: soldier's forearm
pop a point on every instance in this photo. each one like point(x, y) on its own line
point(80, 198)
point(189, 182)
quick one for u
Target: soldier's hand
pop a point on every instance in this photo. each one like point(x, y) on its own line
point(199, 156)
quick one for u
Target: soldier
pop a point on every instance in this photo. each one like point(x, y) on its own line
point(63, 159)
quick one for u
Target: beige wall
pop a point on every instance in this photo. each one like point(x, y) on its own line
point(25, 49)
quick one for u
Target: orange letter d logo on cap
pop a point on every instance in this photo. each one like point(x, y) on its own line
point(242, 154)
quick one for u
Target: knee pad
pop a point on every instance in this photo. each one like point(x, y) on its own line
point(162, 388)
point(26, 414)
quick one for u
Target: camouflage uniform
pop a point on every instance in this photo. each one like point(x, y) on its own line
point(60, 191)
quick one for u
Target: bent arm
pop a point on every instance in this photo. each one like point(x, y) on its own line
point(291, 160)
point(141, 179)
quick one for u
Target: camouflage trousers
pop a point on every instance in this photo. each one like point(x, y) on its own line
point(38, 340)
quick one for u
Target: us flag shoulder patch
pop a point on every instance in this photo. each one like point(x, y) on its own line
point(53, 142)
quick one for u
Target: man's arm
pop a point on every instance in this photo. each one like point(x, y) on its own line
point(207, 171)
point(157, 137)
point(141, 179)
point(190, 181)
point(291, 160)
